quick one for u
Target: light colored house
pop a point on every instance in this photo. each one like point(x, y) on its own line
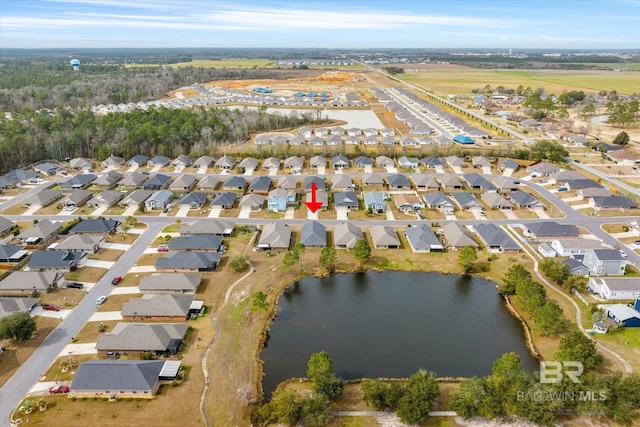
point(423, 239)
point(571, 247)
point(458, 236)
point(159, 200)
point(374, 201)
point(275, 235)
point(170, 283)
point(610, 288)
point(279, 199)
point(384, 237)
point(604, 262)
point(345, 235)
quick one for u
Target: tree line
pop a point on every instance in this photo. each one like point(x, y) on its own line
point(30, 136)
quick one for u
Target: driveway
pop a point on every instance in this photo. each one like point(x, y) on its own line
point(103, 316)
point(487, 170)
point(507, 172)
point(290, 213)
point(99, 211)
point(118, 246)
point(125, 290)
point(389, 212)
point(312, 215)
point(273, 171)
point(368, 169)
point(32, 210)
point(202, 170)
point(79, 348)
point(341, 213)
point(215, 212)
point(248, 172)
point(143, 269)
point(322, 170)
point(541, 213)
point(244, 212)
point(391, 169)
point(98, 263)
point(509, 214)
point(130, 211)
point(476, 214)
point(182, 212)
point(39, 311)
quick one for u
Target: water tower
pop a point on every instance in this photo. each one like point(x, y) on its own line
point(76, 64)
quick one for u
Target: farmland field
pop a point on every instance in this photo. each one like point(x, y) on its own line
point(464, 79)
point(223, 63)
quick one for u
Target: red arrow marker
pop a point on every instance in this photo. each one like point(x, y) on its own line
point(313, 205)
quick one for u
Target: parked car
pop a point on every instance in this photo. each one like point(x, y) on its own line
point(637, 242)
point(51, 307)
point(59, 389)
point(563, 189)
point(75, 285)
point(163, 248)
point(116, 280)
point(113, 355)
point(481, 213)
point(101, 299)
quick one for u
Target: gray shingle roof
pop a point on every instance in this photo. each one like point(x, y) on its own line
point(116, 375)
point(398, 181)
point(96, 226)
point(158, 305)
point(346, 234)
point(170, 282)
point(207, 226)
point(194, 198)
point(141, 337)
point(195, 242)
point(9, 306)
point(422, 238)
point(158, 180)
point(224, 199)
point(346, 198)
point(275, 235)
point(134, 179)
point(78, 181)
point(494, 236)
point(313, 234)
point(384, 236)
point(260, 183)
point(551, 228)
point(54, 260)
point(458, 236)
point(189, 260)
point(235, 182)
point(466, 200)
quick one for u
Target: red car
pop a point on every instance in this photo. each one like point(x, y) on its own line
point(51, 307)
point(59, 389)
point(116, 280)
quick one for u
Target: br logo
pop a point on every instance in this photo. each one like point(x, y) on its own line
point(552, 372)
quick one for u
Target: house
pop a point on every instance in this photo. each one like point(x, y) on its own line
point(463, 140)
point(579, 184)
point(170, 283)
point(208, 183)
point(610, 288)
point(587, 193)
point(423, 239)
point(196, 242)
point(6, 225)
point(424, 182)
point(136, 198)
point(12, 253)
point(41, 232)
point(523, 199)
point(193, 200)
point(345, 235)
point(108, 180)
point(106, 199)
point(385, 162)
point(321, 197)
point(495, 238)
point(80, 243)
point(362, 162)
point(183, 184)
point(342, 182)
point(188, 261)
point(546, 251)
point(80, 164)
point(508, 165)
point(294, 163)
point(237, 183)
point(407, 202)
point(455, 162)
point(339, 162)
point(624, 315)
point(432, 162)
point(384, 237)
point(320, 183)
point(203, 226)
point(225, 163)
point(159, 339)
point(504, 184)
point(260, 184)
point(409, 162)
point(48, 169)
point(78, 182)
point(279, 199)
point(496, 201)
point(76, 198)
point(480, 162)
point(438, 201)
point(449, 182)
point(133, 180)
point(24, 283)
point(21, 176)
point(159, 161)
point(157, 182)
point(248, 163)
point(475, 181)
point(287, 183)
point(111, 379)
point(159, 200)
point(408, 141)
point(271, 163)
point(346, 199)
point(316, 141)
point(224, 200)
point(112, 162)
point(398, 182)
point(318, 162)
point(612, 202)
point(565, 175)
point(297, 140)
point(389, 140)
point(252, 201)
point(458, 236)
point(372, 180)
point(182, 161)
point(542, 169)
point(374, 202)
point(576, 267)
point(337, 130)
point(43, 198)
point(313, 234)
point(604, 262)
point(137, 161)
point(9, 306)
point(275, 235)
point(60, 261)
point(354, 131)
point(623, 156)
point(549, 230)
point(466, 201)
point(571, 247)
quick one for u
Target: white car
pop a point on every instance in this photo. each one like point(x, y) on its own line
point(101, 299)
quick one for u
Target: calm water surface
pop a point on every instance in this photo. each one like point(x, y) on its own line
point(391, 324)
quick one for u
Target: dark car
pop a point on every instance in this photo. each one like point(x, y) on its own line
point(75, 285)
point(59, 389)
point(116, 280)
point(51, 307)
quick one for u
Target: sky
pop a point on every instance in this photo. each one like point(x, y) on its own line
point(347, 24)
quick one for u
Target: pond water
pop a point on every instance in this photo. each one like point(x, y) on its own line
point(391, 324)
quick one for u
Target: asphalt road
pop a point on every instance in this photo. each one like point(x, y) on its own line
point(30, 372)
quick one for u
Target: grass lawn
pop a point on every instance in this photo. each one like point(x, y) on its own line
point(86, 274)
point(16, 353)
point(150, 259)
point(64, 297)
point(625, 341)
point(114, 302)
point(614, 228)
point(122, 238)
point(107, 255)
point(90, 331)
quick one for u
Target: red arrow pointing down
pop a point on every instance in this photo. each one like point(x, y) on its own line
point(313, 205)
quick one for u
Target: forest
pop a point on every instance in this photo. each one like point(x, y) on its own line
point(30, 136)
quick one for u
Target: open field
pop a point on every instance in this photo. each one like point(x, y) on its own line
point(223, 63)
point(464, 79)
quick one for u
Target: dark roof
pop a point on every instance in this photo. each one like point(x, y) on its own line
point(261, 183)
point(614, 202)
point(138, 159)
point(432, 161)
point(346, 198)
point(160, 160)
point(495, 236)
point(313, 234)
point(320, 183)
point(235, 182)
point(578, 184)
point(7, 251)
point(196, 242)
point(422, 238)
point(224, 199)
point(363, 161)
point(194, 197)
point(116, 375)
point(607, 254)
point(78, 181)
point(95, 226)
point(158, 180)
point(551, 228)
point(398, 180)
point(47, 260)
point(189, 260)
